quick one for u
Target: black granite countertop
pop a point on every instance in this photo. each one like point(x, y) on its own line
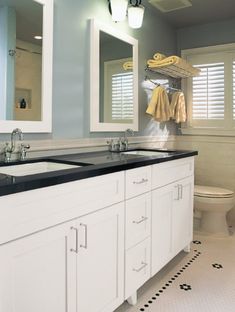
point(91, 164)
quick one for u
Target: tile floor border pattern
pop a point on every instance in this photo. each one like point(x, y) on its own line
point(173, 279)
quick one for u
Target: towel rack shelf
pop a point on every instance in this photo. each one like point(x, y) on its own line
point(172, 66)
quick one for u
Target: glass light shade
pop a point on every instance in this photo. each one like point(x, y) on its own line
point(135, 16)
point(119, 8)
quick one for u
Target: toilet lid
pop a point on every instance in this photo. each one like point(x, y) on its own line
point(211, 191)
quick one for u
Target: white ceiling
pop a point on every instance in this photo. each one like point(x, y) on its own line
point(201, 12)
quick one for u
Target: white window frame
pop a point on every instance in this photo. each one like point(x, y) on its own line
point(211, 54)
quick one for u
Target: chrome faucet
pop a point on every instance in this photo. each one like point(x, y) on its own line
point(8, 150)
point(124, 139)
point(121, 144)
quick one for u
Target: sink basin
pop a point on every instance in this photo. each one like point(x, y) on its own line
point(34, 168)
point(146, 153)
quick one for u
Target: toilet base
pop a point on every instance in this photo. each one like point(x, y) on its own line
point(214, 223)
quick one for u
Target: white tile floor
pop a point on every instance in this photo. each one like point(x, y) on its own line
point(201, 281)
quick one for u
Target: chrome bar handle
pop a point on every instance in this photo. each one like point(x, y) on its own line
point(181, 191)
point(140, 182)
point(85, 227)
point(144, 264)
point(142, 220)
point(178, 192)
point(76, 244)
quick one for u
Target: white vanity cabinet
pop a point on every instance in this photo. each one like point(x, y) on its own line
point(87, 245)
point(172, 210)
point(100, 260)
point(137, 234)
point(75, 266)
point(37, 272)
point(61, 268)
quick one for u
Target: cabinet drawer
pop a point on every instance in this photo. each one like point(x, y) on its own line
point(137, 267)
point(138, 218)
point(138, 181)
point(31, 211)
point(168, 172)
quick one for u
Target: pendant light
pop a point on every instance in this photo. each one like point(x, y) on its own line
point(118, 9)
point(135, 14)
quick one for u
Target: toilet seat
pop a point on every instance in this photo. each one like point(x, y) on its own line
point(212, 192)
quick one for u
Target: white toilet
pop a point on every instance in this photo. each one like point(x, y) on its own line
point(213, 203)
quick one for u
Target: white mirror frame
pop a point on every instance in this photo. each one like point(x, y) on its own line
point(95, 124)
point(45, 125)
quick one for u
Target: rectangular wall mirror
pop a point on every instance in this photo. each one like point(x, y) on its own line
point(114, 80)
point(26, 38)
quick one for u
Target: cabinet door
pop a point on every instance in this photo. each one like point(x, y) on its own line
point(37, 272)
point(100, 277)
point(162, 203)
point(182, 215)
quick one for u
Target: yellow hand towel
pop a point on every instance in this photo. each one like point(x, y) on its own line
point(176, 62)
point(128, 65)
point(177, 107)
point(159, 106)
point(158, 56)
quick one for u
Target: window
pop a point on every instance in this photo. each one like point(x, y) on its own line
point(118, 90)
point(211, 95)
point(122, 96)
point(208, 92)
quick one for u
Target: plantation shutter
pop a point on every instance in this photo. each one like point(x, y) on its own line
point(122, 96)
point(208, 92)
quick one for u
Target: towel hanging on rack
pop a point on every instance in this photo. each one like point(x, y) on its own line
point(177, 107)
point(159, 106)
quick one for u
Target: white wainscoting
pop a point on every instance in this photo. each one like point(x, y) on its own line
point(215, 163)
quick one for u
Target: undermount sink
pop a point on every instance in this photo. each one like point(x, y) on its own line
point(146, 153)
point(34, 168)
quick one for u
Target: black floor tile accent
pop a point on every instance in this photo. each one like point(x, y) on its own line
point(184, 287)
point(217, 266)
point(197, 242)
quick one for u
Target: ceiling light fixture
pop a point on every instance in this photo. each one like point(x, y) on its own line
point(38, 37)
point(119, 8)
point(135, 14)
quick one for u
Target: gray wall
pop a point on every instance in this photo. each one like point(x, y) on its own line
point(206, 35)
point(71, 65)
point(71, 61)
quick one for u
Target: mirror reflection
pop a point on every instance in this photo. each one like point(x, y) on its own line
point(116, 80)
point(21, 59)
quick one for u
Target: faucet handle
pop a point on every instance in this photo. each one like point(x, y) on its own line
point(23, 150)
point(7, 152)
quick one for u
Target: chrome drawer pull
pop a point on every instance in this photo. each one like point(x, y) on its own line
point(181, 191)
point(76, 245)
point(141, 182)
point(85, 227)
point(142, 267)
point(178, 192)
point(142, 220)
